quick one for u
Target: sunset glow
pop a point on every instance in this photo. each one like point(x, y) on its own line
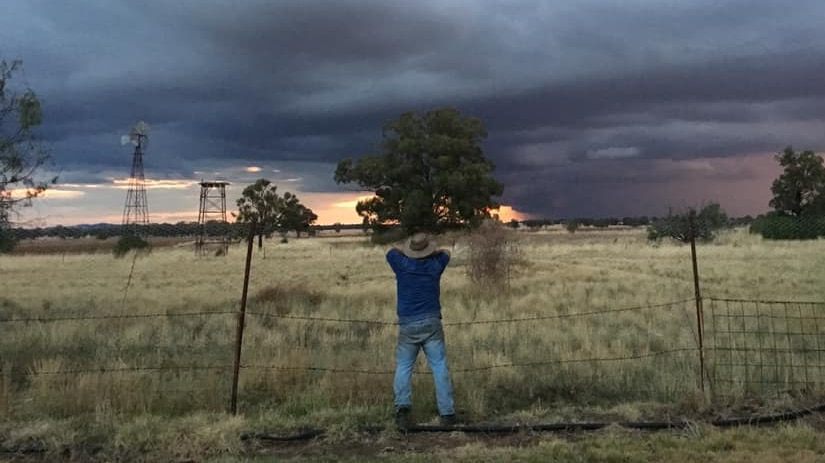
point(49, 193)
point(507, 213)
point(123, 183)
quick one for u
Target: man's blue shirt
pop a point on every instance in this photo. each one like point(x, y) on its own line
point(418, 284)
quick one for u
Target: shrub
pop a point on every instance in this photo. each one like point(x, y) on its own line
point(774, 226)
point(128, 243)
point(7, 240)
point(571, 226)
point(493, 252)
point(677, 226)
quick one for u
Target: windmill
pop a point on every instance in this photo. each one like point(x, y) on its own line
point(136, 210)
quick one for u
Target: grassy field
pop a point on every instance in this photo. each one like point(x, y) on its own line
point(633, 357)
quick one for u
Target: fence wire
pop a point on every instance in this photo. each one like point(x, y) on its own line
point(766, 347)
point(752, 347)
point(136, 350)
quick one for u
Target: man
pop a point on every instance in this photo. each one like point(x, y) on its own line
point(418, 266)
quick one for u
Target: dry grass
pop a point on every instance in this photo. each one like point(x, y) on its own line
point(53, 245)
point(343, 278)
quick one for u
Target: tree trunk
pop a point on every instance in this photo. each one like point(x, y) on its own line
point(260, 240)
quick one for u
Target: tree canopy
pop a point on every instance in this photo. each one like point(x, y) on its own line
point(800, 189)
point(431, 174)
point(294, 216)
point(260, 202)
point(20, 154)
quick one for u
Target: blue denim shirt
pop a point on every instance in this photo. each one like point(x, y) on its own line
point(418, 283)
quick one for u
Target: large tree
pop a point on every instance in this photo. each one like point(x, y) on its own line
point(294, 216)
point(431, 174)
point(20, 154)
point(800, 189)
point(260, 202)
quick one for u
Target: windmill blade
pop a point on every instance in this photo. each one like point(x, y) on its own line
point(124, 139)
point(138, 131)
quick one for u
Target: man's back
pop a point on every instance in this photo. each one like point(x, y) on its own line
point(418, 265)
point(418, 284)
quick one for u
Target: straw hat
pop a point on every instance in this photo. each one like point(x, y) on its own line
point(418, 246)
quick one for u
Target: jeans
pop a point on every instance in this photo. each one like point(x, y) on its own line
point(428, 335)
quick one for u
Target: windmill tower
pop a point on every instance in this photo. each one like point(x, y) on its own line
point(212, 209)
point(136, 210)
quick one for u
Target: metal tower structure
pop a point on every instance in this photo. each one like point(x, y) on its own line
point(212, 209)
point(136, 210)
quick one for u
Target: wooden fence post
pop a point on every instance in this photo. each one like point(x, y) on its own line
point(233, 406)
point(700, 317)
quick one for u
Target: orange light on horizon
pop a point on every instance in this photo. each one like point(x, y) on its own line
point(123, 183)
point(352, 203)
point(54, 193)
point(507, 213)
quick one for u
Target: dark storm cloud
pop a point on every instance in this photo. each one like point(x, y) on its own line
point(590, 93)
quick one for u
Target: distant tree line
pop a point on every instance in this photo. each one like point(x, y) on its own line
point(597, 222)
point(180, 229)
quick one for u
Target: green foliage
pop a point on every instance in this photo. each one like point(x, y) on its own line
point(128, 243)
point(260, 202)
point(7, 240)
point(294, 216)
point(20, 154)
point(775, 226)
point(678, 226)
point(800, 189)
point(431, 174)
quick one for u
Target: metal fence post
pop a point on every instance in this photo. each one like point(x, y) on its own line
point(241, 319)
point(700, 318)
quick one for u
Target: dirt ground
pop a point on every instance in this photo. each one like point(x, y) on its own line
point(378, 446)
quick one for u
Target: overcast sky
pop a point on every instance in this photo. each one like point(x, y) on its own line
point(593, 107)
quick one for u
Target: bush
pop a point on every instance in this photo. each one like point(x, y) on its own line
point(571, 226)
point(7, 240)
point(493, 252)
point(128, 243)
point(677, 226)
point(774, 226)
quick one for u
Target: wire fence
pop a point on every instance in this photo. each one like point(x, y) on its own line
point(509, 349)
point(766, 347)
